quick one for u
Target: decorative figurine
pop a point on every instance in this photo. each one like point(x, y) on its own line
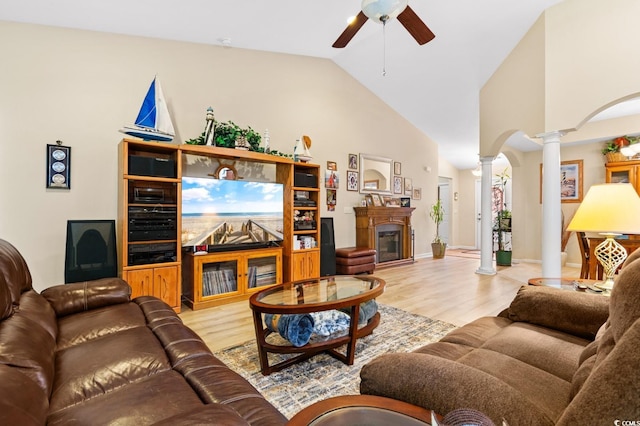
point(301, 151)
point(267, 147)
point(209, 129)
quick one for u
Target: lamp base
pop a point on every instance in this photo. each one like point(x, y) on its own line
point(611, 254)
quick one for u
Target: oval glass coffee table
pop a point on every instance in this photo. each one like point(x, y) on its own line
point(327, 293)
point(363, 410)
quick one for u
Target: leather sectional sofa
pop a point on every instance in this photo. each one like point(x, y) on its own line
point(552, 357)
point(86, 354)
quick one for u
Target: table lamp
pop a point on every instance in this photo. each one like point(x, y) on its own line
point(610, 209)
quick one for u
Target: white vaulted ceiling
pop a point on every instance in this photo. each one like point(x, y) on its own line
point(434, 86)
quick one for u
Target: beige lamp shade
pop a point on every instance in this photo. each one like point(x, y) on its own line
point(608, 208)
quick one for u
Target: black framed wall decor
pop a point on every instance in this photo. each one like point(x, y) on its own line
point(58, 166)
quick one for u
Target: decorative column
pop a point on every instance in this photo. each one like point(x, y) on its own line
point(551, 208)
point(486, 228)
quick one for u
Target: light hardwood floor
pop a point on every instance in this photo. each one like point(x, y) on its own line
point(445, 289)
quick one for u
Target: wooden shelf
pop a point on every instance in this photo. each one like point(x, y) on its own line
point(298, 264)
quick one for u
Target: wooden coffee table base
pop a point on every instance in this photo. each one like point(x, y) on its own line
point(362, 409)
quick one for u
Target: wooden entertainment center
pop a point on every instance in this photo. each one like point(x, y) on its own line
point(151, 256)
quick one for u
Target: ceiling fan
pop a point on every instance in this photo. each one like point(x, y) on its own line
point(382, 11)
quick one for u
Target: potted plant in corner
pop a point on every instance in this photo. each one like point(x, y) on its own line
point(502, 225)
point(438, 247)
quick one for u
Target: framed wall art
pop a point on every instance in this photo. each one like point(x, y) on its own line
point(571, 181)
point(331, 179)
point(353, 161)
point(408, 186)
point(397, 168)
point(417, 193)
point(397, 185)
point(58, 166)
point(352, 180)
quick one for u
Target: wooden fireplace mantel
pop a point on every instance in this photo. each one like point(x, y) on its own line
point(369, 218)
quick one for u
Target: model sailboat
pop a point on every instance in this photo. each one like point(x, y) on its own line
point(153, 122)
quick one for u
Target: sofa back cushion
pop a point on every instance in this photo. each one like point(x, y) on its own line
point(15, 271)
point(6, 305)
point(579, 314)
point(624, 307)
point(28, 344)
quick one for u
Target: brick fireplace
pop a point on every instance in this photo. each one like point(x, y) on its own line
point(388, 230)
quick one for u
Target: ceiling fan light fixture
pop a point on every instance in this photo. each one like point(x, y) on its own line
point(382, 10)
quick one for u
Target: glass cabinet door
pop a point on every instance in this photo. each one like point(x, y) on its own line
point(219, 277)
point(262, 271)
point(621, 174)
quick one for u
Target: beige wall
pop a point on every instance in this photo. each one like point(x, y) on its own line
point(593, 173)
point(579, 58)
point(513, 98)
point(81, 87)
point(592, 58)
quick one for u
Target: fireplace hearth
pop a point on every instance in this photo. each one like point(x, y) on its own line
point(388, 230)
point(389, 243)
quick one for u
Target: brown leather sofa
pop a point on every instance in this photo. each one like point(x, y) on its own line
point(86, 354)
point(552, 357)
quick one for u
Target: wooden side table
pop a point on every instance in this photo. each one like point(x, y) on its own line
point(362, 409)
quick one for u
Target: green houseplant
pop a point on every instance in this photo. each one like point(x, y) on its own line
point(438, 247)
point(502, 224)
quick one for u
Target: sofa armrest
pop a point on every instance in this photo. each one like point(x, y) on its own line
point(78, 297)
point(580, 314)
point(443, 385)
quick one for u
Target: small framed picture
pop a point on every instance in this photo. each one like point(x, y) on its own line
point(377, 200)
point(397, 185)
point(331, 179)
point(408, 186)
point(353, 161)
point(369, 200)
point(331, 197)
point(352, 180)
point(397, 168)
point(417, 193)
point(331, 165)
point(405, 202)
point(393, 202)
point(58, 166)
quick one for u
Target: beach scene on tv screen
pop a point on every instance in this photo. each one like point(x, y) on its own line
point(234, 212)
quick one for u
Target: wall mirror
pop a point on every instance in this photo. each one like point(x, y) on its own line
point(375, 174)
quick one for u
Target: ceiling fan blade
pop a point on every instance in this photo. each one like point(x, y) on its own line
point(415, 26)
point(351, 30)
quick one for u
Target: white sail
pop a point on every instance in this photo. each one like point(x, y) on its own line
point(163, 120)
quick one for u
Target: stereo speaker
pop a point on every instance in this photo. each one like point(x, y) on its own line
point(90, 250)
point(327, 247)
point(152, 166)
point(304, 180)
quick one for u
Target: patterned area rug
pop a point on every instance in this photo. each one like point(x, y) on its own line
point(322, 376)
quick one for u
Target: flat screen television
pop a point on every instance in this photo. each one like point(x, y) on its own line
point(220, 214)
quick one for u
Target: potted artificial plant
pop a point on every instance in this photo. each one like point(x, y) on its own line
point(502, 225)
point(438, 246)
